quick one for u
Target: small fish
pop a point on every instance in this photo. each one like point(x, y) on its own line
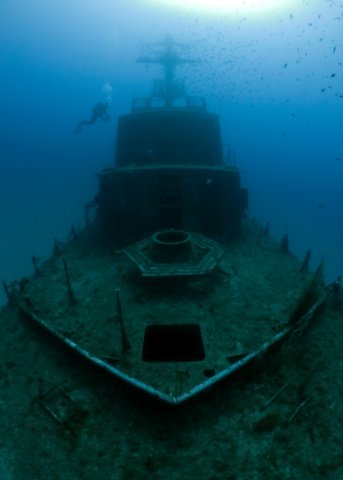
point(334, 49)
point(321, 207)
point(285, 65)
point(333, 75)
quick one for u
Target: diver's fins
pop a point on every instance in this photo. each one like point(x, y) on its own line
point(78, 128)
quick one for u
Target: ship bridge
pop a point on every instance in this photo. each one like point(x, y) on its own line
point(170, 171)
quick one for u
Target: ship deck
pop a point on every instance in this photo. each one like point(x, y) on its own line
point(220, 318)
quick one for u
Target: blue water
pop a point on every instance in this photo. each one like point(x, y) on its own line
point(276, 80)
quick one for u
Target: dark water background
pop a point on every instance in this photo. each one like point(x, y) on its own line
point(276, 79)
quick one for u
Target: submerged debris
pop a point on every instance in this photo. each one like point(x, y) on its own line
point(59, 405)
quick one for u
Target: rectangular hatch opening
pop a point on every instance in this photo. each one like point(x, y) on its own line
point(173, 343)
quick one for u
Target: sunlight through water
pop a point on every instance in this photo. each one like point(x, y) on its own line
point(229, 6)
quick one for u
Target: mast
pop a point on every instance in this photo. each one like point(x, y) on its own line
point(168, 54)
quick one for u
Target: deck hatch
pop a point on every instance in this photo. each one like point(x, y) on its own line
point(173, 343)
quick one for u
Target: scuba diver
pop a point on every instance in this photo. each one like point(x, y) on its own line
point(99, 112)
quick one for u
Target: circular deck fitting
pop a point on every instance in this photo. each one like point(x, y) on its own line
point(169, 246)
point(171, 238)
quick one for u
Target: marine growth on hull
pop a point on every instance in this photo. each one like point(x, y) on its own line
point(180, 329)
point(169, 287)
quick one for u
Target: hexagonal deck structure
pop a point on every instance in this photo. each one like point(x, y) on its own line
point(204, 258)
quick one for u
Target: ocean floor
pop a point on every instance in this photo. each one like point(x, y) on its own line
point(282, 418)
